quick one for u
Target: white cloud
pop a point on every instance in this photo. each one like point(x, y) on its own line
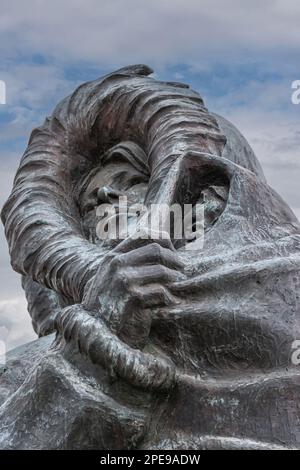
point(15, 323)
point(296, 212)
point(32, 92)
point(116, 31)
point(32, 86)
point(263, 112)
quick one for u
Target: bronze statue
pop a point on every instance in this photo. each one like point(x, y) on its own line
point(145, 344)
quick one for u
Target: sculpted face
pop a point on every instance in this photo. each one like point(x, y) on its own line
point(106, 185)
point(119, 177)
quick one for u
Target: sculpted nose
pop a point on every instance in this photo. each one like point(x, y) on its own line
point(106, 194)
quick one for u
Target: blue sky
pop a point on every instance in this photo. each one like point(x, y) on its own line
point(241, 56)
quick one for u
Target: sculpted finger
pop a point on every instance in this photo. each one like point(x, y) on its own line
point(154, 296)
point(150, 254)
point(145, 237)
point(153, 274)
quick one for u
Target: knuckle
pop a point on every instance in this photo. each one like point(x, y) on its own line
point(161, 291)
point(121, 278)
point(116, 262)
point(163, 271)
point(137, 295)
point(157, 250)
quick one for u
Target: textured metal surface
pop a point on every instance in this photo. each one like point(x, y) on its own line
point(156, 346)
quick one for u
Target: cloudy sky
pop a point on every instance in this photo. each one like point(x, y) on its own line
point(241, 56)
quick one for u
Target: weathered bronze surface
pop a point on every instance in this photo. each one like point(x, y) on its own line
point(144, 344)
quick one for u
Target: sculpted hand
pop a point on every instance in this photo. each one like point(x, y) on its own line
point(132, 279)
